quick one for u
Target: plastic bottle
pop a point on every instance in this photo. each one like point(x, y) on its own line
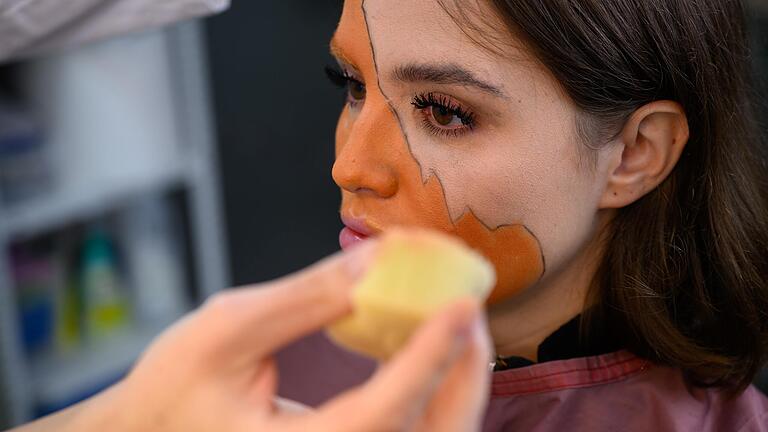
point(104, 299)
point(150, 239)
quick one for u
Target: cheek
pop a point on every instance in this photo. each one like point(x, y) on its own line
point(517, 204)
point(528, 175)
point(512, 248)
point(557, 200)
point(514, 251)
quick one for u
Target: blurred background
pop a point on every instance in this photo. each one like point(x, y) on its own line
point(141, 173)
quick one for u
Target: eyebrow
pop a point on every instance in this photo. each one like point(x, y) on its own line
point(447, 74)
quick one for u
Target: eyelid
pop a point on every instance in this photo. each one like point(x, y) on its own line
point(351, 70)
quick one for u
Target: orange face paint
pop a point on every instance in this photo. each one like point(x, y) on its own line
point(382, 182)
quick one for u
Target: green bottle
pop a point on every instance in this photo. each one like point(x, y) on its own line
point(104, 298)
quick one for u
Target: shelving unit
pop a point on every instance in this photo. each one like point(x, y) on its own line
point(64, 207)
point(175, 136)
point(58, 377)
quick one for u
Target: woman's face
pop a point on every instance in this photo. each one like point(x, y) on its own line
point(438, 132)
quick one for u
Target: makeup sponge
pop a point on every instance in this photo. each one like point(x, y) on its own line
point(413, 274)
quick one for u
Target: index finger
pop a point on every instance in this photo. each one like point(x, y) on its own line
point(257, 320)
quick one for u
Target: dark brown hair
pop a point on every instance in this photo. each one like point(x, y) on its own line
point(684, 278)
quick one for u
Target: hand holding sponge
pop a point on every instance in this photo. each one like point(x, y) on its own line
point(415, 273)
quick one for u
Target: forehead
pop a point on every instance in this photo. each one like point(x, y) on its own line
point(403, 32)
point(418, 31)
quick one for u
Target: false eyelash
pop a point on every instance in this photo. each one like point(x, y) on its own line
point(340, 78)
point(428, 100)
point(343, 80)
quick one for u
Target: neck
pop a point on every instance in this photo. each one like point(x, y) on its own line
point(519, 325)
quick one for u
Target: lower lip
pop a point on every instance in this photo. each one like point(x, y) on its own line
point(349, 238)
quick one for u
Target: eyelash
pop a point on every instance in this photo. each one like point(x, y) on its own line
point(342, 79)
point(423, 102)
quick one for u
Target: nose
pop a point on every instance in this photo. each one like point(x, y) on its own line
point(364, 161)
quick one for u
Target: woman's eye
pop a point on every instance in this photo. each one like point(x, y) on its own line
point(442, 116)
point(342, 79)
point(445, 117)
point(356, 90)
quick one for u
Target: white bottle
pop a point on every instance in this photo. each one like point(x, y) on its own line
point(153, 259)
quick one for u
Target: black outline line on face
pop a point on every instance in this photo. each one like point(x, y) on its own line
point(431, 172)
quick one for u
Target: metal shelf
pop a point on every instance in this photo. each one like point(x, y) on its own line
point(56, 379)
point(60, 207)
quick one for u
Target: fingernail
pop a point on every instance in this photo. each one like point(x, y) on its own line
point(462, 336)
point(358, 259)
point(466, 324)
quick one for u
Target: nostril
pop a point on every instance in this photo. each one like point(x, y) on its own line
point(388, 186)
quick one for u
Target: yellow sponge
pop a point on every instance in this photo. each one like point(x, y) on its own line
point(415, 273)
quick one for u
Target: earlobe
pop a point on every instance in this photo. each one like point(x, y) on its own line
point(652, 141)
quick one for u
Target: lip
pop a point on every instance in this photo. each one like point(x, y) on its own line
point(359, 225)
point(355, 231)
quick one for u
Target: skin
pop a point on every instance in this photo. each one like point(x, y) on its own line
point(514, 185)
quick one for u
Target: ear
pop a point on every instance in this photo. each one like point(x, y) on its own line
point(651, 143)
